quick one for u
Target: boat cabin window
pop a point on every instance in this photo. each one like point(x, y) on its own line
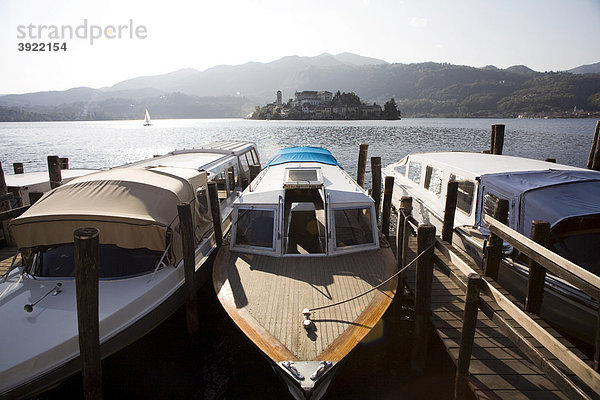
point(255, 227)
point(578, 240)
point(222, 187)
point(433, 180)
point(113, 261)
point(466, 190)
point(352, 226)
point(414, 172)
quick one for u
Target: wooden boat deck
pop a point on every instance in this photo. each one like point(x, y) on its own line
point(265, 296)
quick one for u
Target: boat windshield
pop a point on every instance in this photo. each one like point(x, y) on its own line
point(255, 227)
point(114, 261)
point(578, 240)
point(353, 226)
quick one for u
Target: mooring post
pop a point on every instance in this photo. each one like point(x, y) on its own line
point(186, 223)
point(540, 233)
point(254, 171)
point(424, 277)
point(388, 189)
point(18, 168)
point(594, 154)
point(402, 230)
point(552, 160)
point(497, 138)
point(376, 183)
point(64, 162)
point(86, 287)
point(450, 211)
point(494, 246)
point(474, 282)
point(363, 149)
point(215, 211)
point(4, 205)
point(54, 172)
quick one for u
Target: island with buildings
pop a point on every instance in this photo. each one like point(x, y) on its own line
point(312, 104)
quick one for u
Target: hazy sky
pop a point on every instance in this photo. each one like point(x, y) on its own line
point(542, 34)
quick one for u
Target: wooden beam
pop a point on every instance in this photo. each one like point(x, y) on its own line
point(14, 213)
point(363, 149)
point(86, 280)
point(469, 324)
point(494, 246)
point(186, 223)
point(387, 205)
point(54, 171)
point(376, 183)
point(540, 233)
point(591, 159)
point(450, 211)
point(424, 277)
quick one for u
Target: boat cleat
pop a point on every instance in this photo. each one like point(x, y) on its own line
point(299, 370)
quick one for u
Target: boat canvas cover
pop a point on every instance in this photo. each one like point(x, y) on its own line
point(303, 154)
point(550, 195)
point(131, 208)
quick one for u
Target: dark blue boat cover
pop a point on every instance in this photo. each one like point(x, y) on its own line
point(303, 154)
point(550, 195)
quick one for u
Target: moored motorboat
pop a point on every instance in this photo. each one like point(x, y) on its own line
point(566, 197)
point(134, 207)
point(305, 276)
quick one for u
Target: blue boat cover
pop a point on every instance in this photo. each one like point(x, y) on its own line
point(549, 195)
point(303, 154)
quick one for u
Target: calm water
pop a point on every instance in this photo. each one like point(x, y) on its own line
point(102, 144)
point(221, 363)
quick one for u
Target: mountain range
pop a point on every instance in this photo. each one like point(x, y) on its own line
point(423, 89)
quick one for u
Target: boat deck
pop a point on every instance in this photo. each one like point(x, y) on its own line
point(265, 296)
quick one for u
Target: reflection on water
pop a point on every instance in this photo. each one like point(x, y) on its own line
point(102, 144)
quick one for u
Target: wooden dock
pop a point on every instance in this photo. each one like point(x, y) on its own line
point(6, 257)
point(498, 369)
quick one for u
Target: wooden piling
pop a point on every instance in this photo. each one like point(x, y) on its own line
point(424, 277)
point(402, 230)
point(540, 233)
point(376, 183)
point(450, 211)
point(64, 162)
point(494, 246)
point(363, 149)
point(18, 168)
point(254, 171)
point(186, 222)
point(474, 282)
point(86, 280)
point(497, 142)
point(593, 159)
point(215, 210)
point(4, 206)
point(54, 171)
point(552, 160)
point(388, 189)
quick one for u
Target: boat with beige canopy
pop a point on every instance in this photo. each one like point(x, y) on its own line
point(140, 266)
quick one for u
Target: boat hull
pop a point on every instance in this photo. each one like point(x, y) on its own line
point(119, 326)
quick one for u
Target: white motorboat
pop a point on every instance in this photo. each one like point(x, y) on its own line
point(140, 262)
point(306, 276)
point(567, 197)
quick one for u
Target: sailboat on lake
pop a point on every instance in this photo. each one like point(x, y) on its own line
point(147, 119)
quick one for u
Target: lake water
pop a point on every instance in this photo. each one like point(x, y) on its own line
point(102, 144)
point(221, 363)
